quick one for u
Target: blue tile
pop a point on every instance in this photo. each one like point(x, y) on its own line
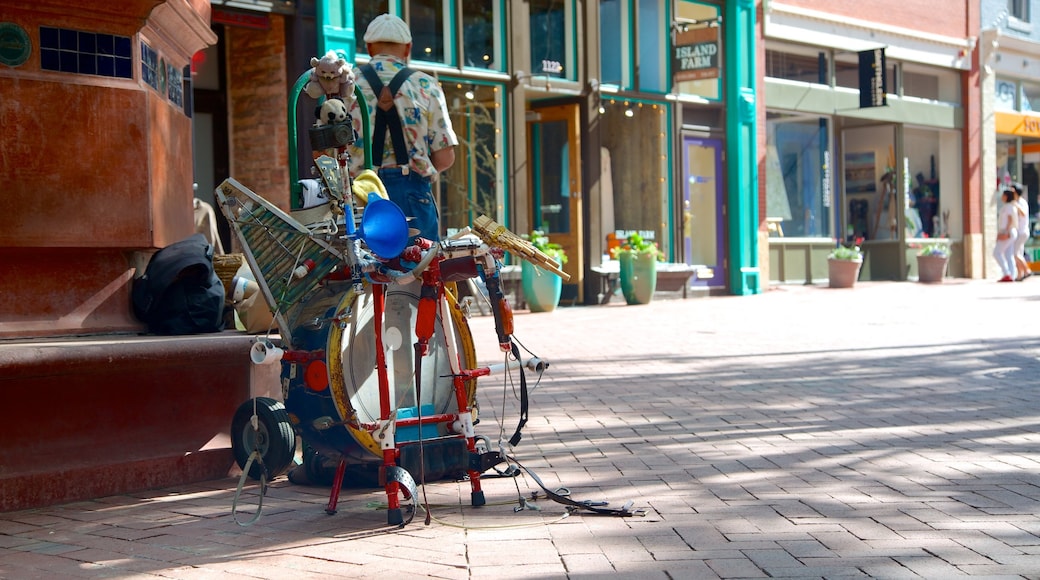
point(123, 47)
point(49, 59)
point(106, 66)
point(88, 42)
point(124, 68)
point(69, 61)
point(49, 37)
point(106, 44)
point(88, 64)
point(69, 39)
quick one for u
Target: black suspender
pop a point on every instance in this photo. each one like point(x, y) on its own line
point(386, 115)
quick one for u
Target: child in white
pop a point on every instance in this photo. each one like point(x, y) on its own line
point(1007, 232)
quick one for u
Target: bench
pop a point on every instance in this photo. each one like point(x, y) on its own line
point(671, 277)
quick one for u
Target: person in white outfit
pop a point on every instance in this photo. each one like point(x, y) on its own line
point(1007, 233)
point(1022, 210)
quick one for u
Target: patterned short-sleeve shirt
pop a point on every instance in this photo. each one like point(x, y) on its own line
point(424, 117)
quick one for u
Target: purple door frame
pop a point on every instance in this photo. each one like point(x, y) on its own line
point(691, 175)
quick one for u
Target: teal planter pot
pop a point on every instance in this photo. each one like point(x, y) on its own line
point(542, 288)
point(638, 277)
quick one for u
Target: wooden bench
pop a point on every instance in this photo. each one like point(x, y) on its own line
point(671, 277)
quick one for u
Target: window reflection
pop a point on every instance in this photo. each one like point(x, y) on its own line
point(479, 19)
point(471, 186)
point(798, 190)
point(611, 40)
point(364, 12)
point(426, 20)
point(549, 38)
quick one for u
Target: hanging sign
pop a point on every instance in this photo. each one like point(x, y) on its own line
point(872, 81)
point(697, 54)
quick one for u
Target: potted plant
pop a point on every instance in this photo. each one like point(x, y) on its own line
point(931, 262)
point(542, 289)
point(843, 264)
point(638, 259)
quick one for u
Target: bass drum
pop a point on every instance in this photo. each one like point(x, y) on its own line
point(339, 421)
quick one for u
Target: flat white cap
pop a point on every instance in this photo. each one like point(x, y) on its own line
point(388, 28)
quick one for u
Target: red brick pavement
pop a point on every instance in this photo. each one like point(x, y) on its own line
point(889, 431)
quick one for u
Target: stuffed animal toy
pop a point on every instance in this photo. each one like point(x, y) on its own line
point(331, 76)
point(331, 112)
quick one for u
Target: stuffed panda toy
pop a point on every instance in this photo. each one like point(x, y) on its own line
point(332, 112)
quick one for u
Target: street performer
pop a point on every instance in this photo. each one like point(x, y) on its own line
point(412, 137)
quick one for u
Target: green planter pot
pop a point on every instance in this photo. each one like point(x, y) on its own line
point(542, 288)
point(638, 277)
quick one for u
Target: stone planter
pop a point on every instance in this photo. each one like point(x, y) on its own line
point(931, 269)
point(843, 273)
point(542, 288)
point(638, 277)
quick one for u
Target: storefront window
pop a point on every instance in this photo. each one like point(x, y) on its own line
point(1029, 93)
point(1005, 91)
point(846, 73)
point(932, 83)
point(636, 165)
point(654, 24)
point(481, 22)
point(426, 20)
point(364, 12)
point(614, 43)
point(798, 175)
point(797, 67)
point(474, 185)
point(434, 31)
point(924, 151)
point(550, 38)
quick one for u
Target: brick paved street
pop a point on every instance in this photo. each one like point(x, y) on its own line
point(888, 431)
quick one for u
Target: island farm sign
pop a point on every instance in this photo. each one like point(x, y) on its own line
point(697, 54)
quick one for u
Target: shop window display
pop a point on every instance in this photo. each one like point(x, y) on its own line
point(635, 159)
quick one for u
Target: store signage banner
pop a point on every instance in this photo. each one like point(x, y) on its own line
point(872, 81)
point(697, 54)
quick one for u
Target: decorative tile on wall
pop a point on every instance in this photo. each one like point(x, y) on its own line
point(87, 53)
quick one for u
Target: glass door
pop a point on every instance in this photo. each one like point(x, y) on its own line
point(702, 203)
point(555, 176)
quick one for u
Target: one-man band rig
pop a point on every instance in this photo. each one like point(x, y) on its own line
point(347, 291)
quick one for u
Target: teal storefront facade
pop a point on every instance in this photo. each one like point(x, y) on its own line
point(581, 119)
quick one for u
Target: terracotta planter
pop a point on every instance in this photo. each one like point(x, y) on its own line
point(931, 269)
point(638, 277)
point(843, 273)
point(542, 288)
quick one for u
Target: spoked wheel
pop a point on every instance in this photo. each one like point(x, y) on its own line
point(273, 439)
point(406, 492)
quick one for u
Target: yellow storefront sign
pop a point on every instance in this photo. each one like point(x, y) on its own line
point(1017, 124)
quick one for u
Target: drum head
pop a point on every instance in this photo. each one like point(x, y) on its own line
point(352, 362)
